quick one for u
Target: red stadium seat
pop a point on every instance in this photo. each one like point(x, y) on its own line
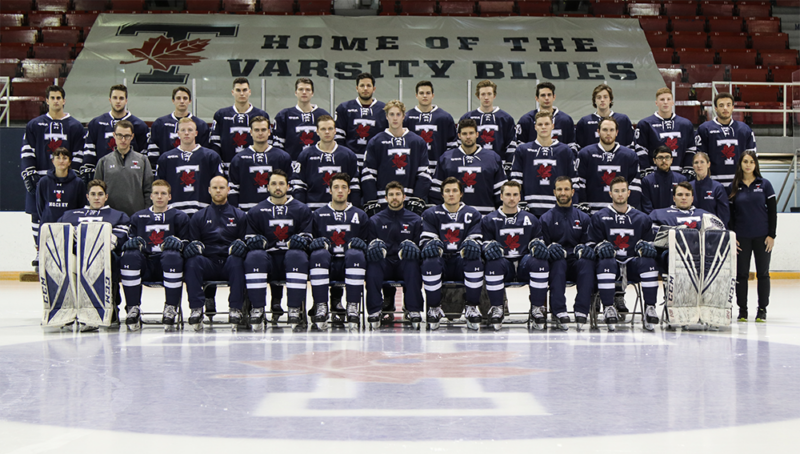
point(738, 57)
point(716, 8)
point(41, 68)
point(759, 93)
point(278, 6)
point(16, 5)
point(689, 24)
point(60, 51)
point(689, 39)
point(786, 57)
point(53, 5)
point(237, 6)
point(703, 92)
point(457, 8)
point(29, 87)
point(127, 5)
point(792, 3)
point(19, 34)
point(683, 92)
point(9, 67)
point(644, 8)
point(727, 40)
point(671, 73)
point(70, 35)
point(757, 74)
point(203, 5)
point(784, 73)
point(691, 110)
point(91, 5)
point(45, 19)
point(12, 19)
point(606, 7)
point(763, 24)
point(80, 19)
point(315, 7)
point(724, 24)
point(534, 8)
point(766, 118)
point(496, 8)
point(663, 56)
point(766, 41)
point(15, 50)
point(420, 8)
point(23, 108)
point(657, 39)
point(654, 24)
point(697, 74)
point(676, 8)
point(754, 9)
point(695, 56)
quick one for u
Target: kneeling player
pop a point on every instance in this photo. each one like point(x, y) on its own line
point(337, 251)
point(450, 240)
point(508, 236)
point(153, 252)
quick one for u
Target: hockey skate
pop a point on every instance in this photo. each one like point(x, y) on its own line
point(435, 315)
point(211, 309)
point(560, 320)
point(580, 320)
point(611, 318)
point(473, 317)
point(196, 319)
point(496, 317)
point(277, 311)
point(619, 303)
point(388, 310)
point(352, 317)
point(296, 316)
point(650, 318)
point(169, 316)
point(415, 318)
point(321, 316)
point(338, 314)
point(134, 319)
point(538, 318)
point(257, 318)
point(234, 318)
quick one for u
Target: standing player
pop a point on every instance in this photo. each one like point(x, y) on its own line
point(564, 127)
point(433, 124)
point(296, 127)
point(537, 164)
point(666, 128)
point(586, 129)
point(396, 154)
point(481, 171)
point(508, 236)
point(337, 251)
point(317, 164)
point(496, 128)
point(59, 191)
point(100, 139)
point(724, 140)
point(250, 169)
point(621, 234)
point(451, 250)
point(230, 132)
point(657, 188)
point(278, 234)
point(164, 134)
point(189, 168)
point(600, 163)
point(360, 119)
point(565, 229)
point(126, 172)
point(42, 136)
point(153, 252)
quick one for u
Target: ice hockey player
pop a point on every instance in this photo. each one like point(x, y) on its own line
point(164, 134)
point(564, 127)
point(432, 123)
point(496, 128)
point(657, 187)
point(360, 119)
point(296, 127)
point(665, 128)
point(586, 129)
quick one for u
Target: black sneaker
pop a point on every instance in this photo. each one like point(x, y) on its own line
point(276, 311)
point(761, 315)
point(742, 315)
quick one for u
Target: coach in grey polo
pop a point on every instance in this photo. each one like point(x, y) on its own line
point(127, 173)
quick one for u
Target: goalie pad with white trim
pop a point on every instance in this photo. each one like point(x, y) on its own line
point(57, 274)
point(94, 294)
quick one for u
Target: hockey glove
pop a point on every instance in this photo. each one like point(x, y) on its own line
point(134, 244)
point(87, 173)
point(192, 249)
point(299, 242)
point(507, 167)
point(538, 249)
point(584, 207)
point(470, 250)
point(416, 205)
point(605, 250)
point(689, 174)
point(645, 172)
point(376, 251)
point(320, 243)
point(493, 251)
point(30, 178)
point(646, 249)
point(238, 249)
point(172, 243)
point(372, 208)
point(523, 205)
point(556, 252)
point(408, 251)
point(585, 252)
point(256, 242)
point(358, 243)
point(433, 249)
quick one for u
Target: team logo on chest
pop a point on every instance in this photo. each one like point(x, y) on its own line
point(689, 221)
point(426, 130)
point(469, 176)
point(607, 174)
point(55, 136)
point(240, 132)
point(728, 149)
point(307, 134)
point(280, 228)
point(486, 134)
point(363, 127)
point(621, 237)
point(187, 176)
point(155, 235)
point(670, 139)
point(544, 169)
point(452, 234)
point(261, 177)
point(399, 158)
point(338, 235)
point(111, 142)
point(327, 173)
point(510, 240)
point(176, 141)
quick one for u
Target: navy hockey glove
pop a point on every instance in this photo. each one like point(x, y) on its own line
point(493, 251)
point(646, 249)
point(30, 178)
point(538, 249)
point(193, 248)
point(433, 249)
point(300, 242)
point(87, 173)
point(605, 250)
point(689, 174)
point(416, 205)
point(585, 252)
point(408, 251)
point(134, 244)
point(584, 207)
point(376, 251)
point(257, 243)
point(645, 172)
point(523, 206)
point(470, 250)
point(556, 252)
point(238, 249)
point(172, 243)
point(372, 208)
point(358, 243)
point(320, 243)
point(507, 167)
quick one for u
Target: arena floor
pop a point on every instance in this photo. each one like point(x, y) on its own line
point(396, 390)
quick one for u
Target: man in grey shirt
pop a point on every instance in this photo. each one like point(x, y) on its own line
point(127, 173)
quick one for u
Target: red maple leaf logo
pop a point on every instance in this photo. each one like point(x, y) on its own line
point(691, 225)
point(427, 136)
point(261, 179)
point(487, 136)
point(58, 196)
point(281, 232)
point(363, 131)
point(53, 144)
point(337, 238)
point(187, 178)
point(512, 241)
point(307, 138)
point(327, 178)
point(621, 242)
point(112, 143)
point(545, 171)
point(156, 237)
point(161, 53)
point(399, 161)
point(176, 143)
point(608, 176)
point(240, 139)
point(452, 235)
point(728, 151)
point(469, 179)
point(672, 143)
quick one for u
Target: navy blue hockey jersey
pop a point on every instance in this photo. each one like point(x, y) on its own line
point(394, 227)
point(563, 128)
point(120, 222)
point(497, 131)
point(164, 136)
point(248, 175)
point(536, 168)
point(657, 189)
point(279, 222)
point(295, 130)
point(724, 146)
point(230, 132)
point(482, 175)
point(623, 230)
point(339, 226)
point(154, 227)
point(711, 196)
point(356, 124)
point(313, 171)
point(100, 139)
point(403, 159)
point(436, 128)
point(597, 167)
point(513, 232)
point(567, 226)
point(692, 217)
point(451, 228)
point(55, 196)
point(217, 226)
point(676, 133)
point(586, 130)
point(189, 173)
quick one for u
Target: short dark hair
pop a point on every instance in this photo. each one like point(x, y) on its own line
point(545, 85)
point(125, 124)
point(183, 89)
point(257, 119)
point(96, 182)
point(598, 89)
point(241, 80)
point(364, 76)
point(453, 180)
point(661, 149)
point(322, 118)
point(53, 88)
point(684, 185)
point(118, 87)
point(394, 185)
point(618, 180)
point(423, 83)
point(722, 95)
point(611, 119)
point(61, 151)
point(467, 123)
point(280, 173)
point(562, 178)
point(304, 80)
point(341, 176)
point(511, 184)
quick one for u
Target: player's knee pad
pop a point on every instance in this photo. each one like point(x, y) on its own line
point(169, 259)
point(321, 258)
point(296, 258)
point(257, 259)
point(354, 258)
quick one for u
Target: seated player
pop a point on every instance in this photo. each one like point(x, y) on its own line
point(496, 128)
point(393, 254)
point(296, 127)
point(153, 252)
point(565, 229)
point(278, 234)
point(621, 234)
point(509, 233)
point(215, 252)
point(658, 187)
point(451, 251)
point(337, 251)
point(682, 212)
point(59, 191)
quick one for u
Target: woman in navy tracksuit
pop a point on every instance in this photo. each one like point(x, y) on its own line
point(709, 194)
point(754, 218)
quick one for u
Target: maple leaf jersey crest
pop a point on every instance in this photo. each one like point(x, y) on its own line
point(187, 177)
point(156, 237)
point(427, 135)
point(240, 139)
point(281, 232)
point(487, 136)
point(469, 179)
point(452, 235)
point(545, 171)
point(621, 241)
point(112, 143)
point(512, 241)
point(337, 238)
point(607, 176)
point(399, 161)
point(728, 151)
point(176, 143)
point(671, 143)
point(690, 225)
point(53, 144)
point(261, 179)
point(162, 52)
point(326, 177)
point(307, 138)
point(363, 131)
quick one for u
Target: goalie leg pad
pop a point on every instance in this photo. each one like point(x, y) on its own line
point(685, 277)
point(719, 277)
point(94, 290)
point(57, 274)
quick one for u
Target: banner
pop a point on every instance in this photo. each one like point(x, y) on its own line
point(153, 53)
